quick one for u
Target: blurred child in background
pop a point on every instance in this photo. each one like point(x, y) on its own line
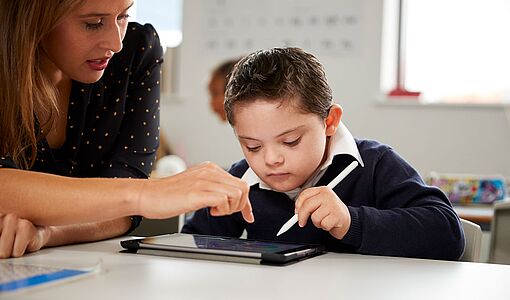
point(217, 85)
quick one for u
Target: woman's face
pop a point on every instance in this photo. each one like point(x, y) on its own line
point(80, 46)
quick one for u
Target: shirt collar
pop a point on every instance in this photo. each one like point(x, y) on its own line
point(342, 142)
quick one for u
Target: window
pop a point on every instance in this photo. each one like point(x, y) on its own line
point(456, 51)
point(165, 16)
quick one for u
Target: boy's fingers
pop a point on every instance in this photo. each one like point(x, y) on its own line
point(305, 213)
point(305, 195)
point(318, 217)
point(307, 207)
point(329, 222)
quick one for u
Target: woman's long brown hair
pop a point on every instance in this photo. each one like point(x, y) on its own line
point(25, 92)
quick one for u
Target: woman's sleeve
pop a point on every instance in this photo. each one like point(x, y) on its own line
point(137, 142)
point(7, 162)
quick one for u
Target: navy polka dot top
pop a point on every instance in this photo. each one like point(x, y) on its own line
point(113, 124)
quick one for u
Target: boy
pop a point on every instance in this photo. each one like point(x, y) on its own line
point(280, 106)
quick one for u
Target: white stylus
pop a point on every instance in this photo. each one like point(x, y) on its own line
point(331, 185)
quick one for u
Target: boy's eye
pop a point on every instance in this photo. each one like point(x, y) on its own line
point(293, 143)
point(253, 149)
point(94, 25)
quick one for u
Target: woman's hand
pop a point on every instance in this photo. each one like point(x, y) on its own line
point(325, 209)
point(204, 185)
point(19, 236)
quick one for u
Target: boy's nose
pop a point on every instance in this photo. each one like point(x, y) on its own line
point(273, 158)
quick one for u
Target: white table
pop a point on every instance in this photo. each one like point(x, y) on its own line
point(330, 276)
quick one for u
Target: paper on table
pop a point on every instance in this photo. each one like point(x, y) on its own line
point(18, 277)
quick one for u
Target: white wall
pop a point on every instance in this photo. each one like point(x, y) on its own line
point(449, 139)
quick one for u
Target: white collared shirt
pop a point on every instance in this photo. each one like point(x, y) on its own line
point(342, 142)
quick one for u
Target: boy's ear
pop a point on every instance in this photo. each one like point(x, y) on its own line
point(333, 119)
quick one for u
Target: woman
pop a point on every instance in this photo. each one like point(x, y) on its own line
point(79, 124)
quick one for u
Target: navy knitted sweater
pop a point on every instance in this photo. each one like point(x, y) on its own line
point(393, 212)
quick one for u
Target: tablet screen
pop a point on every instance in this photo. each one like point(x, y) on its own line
point(220, 243)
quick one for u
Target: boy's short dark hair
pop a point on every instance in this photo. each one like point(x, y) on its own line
point(279, 74)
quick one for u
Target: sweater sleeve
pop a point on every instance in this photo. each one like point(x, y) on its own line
point(409, 219)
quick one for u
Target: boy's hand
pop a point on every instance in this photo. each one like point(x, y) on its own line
point(18, 236)
point(325, 209)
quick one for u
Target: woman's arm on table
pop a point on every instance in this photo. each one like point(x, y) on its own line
point(46, 199)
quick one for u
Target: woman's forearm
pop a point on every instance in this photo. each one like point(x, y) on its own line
point(87, 232)
point(47, 199)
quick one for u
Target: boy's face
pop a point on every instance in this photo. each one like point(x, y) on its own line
point(283, 145)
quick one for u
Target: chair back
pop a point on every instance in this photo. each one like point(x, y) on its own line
point(473, 236)
point(499, 251)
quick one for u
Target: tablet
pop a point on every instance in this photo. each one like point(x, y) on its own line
point(222, 248)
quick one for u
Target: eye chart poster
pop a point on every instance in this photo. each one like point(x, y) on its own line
point(329, 27)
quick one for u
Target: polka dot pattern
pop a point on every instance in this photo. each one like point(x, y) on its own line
point(108, 133)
